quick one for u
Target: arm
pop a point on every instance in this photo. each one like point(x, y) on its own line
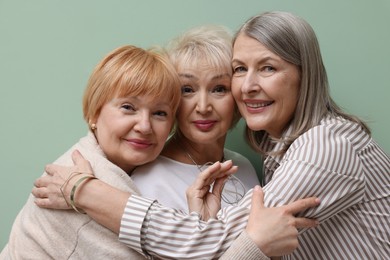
point(321, 163)
point(107, 211)
point(99, 200)
point(93, 196)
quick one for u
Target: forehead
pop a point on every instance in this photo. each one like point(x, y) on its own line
point(149, 101)
point(246, 45)
point(249, 49)
point(204, 69)
point(204, 61)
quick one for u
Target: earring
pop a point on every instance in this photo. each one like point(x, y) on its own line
point(93, 127)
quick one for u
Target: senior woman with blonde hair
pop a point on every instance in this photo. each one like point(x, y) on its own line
point(207, 111)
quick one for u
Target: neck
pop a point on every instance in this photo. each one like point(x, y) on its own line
point(183, 150)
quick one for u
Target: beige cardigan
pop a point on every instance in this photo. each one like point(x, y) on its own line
point(65, 234)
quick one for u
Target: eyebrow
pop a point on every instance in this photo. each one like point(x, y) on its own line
point(262, 60)
point(186, 75)
point(190, 76)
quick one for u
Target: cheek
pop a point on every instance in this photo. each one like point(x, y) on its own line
point(235, 87)
point(236, 91)
point(228, 107)
point(183, 112)
point(161, 138)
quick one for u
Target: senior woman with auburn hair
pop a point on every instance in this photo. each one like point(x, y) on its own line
point(129, 104)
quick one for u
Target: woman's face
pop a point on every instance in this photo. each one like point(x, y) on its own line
point(264, 86)
point(207, 105)
point(132, 130)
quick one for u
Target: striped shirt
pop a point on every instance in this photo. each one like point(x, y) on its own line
point(335, 161)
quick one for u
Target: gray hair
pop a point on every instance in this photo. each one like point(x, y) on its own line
point(295, 41)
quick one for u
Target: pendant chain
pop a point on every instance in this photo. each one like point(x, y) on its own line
point(233, 179)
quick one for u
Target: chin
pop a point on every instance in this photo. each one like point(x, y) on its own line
point(254, 125)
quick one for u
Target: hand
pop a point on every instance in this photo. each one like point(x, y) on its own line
point(47, 188)
point(274, 230)
point(202, 199)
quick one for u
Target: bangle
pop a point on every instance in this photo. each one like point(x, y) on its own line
point(65, 183)
point(73, 191)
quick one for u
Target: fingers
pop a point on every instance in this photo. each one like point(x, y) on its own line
point(51, 169)
point(218, 186)
point(218, 170)
point(39, 192)
point(257, 197)
point(302, 204)
point(305, 223)
point(81, 163)
point(42, 181)
point(42, 202)
point(77, 157)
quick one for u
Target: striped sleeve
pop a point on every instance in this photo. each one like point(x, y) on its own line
point(320, 163)
point(172, 234)
point(132, 221)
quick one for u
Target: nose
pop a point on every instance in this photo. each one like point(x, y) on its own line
point(143, 124)
point(203, 104)
point(250, 84)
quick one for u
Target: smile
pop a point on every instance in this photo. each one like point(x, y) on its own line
point(259, 105)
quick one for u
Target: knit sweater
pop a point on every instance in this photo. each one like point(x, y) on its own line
point(65, 234)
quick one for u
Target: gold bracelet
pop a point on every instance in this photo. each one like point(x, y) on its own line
point(73, 191)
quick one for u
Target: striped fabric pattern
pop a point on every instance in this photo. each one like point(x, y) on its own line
point(335, 161)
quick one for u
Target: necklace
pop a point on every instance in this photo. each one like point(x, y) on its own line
point(197, 165)
point(230, 195)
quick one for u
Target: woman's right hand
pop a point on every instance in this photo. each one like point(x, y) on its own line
point(53, 190)
point(274, 230)
point(204, 195)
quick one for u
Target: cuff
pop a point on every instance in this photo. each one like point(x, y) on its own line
point(243, 248)
point(133, 217)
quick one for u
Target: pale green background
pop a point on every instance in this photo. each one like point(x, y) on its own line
point(48, 49)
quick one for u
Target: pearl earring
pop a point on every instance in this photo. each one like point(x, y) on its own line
point(93, 126)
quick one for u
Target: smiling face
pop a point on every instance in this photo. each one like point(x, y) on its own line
point(207, 106)
point(264, 86)
point(132, 130)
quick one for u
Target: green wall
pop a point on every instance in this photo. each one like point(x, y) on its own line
point(49, 47)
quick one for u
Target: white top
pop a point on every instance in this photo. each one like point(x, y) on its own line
point(167, 180)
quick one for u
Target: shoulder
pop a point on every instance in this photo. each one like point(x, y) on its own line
point(335, 132)
point(334, 144)
point(246, 171)
point(235, 157)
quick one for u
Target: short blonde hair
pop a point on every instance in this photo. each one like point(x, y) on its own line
point(133, 71)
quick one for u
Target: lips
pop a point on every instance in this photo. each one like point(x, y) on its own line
point(257, 106)
point(139, 143)
point(204, 125)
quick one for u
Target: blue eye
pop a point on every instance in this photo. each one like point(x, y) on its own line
point(269, 68)
point(239, 69)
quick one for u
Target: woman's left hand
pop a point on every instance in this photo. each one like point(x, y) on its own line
point(202, 199)
point(53, 190)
